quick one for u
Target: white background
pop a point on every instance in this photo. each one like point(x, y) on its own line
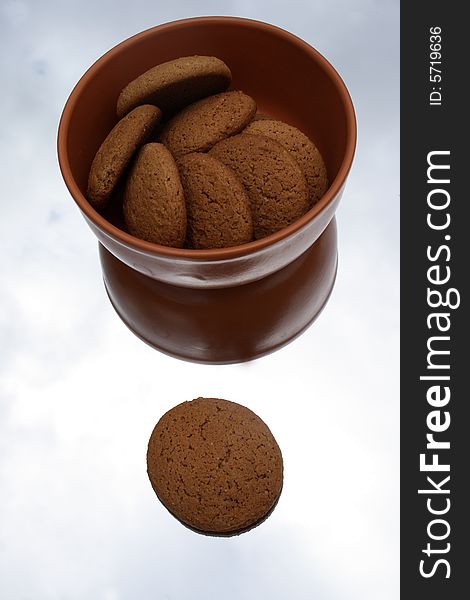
point(80, 394)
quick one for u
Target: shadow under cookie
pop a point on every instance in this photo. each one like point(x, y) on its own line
point(228, 534)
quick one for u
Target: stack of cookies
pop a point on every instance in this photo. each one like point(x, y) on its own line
point(201, 169)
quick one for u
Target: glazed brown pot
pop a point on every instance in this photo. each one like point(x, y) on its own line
point(232, 304)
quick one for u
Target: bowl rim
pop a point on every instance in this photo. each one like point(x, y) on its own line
point(215, 254)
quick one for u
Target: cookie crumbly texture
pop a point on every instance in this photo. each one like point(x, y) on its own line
point(302, 149)
point(154, 206)
point(218, 208)
point(204, 123)
point(116, 151)
point(176, 83)
point(272, 178)
point(215, 465)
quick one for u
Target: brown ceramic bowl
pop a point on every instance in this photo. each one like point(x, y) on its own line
point(237, 303)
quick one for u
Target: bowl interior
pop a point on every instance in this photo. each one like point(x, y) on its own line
point(288, 80)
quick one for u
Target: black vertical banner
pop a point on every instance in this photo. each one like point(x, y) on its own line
point(435, 270)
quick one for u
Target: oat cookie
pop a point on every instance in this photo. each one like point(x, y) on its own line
point(302, 149)
point(116, 151)
point(215, 465)
point(272, 178)
point(176, 83)
point(201, 125)
point(218, 208)
point(154, 207)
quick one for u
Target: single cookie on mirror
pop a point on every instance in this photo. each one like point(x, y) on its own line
point(116, 151)
point(154, 206)
point(204, 123)
point(273, 180)
point(302, 149)
point(218, 208)
point(176, 83)
point(215, 465)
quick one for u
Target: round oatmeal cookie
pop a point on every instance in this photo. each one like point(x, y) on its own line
point(215, 466)
point(218, 208)
point(302, 149)
point(154, 206)
point(176, 83)
point(201, 125)
point(272, 178)
point(116, 151)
